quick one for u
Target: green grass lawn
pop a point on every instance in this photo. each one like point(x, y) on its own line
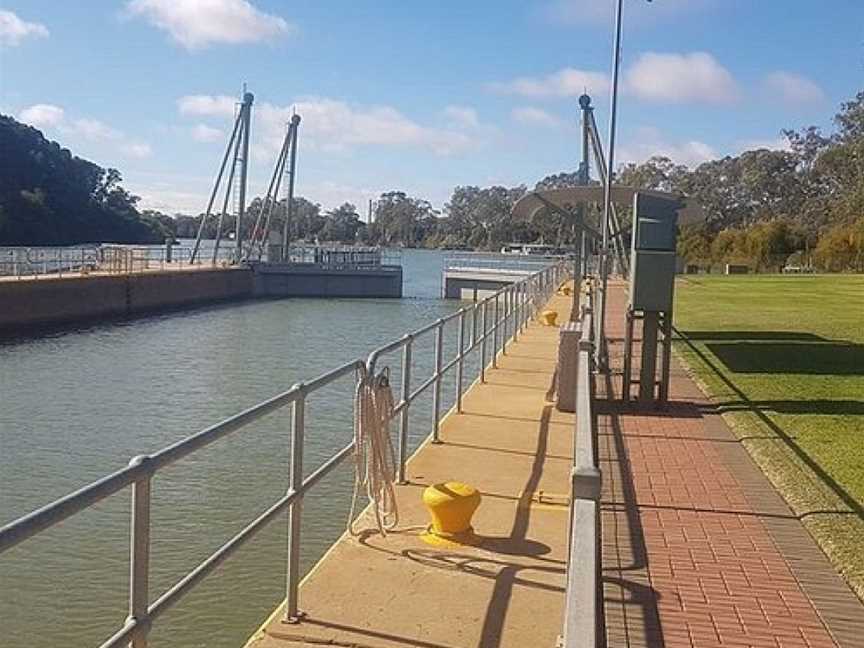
point(783, 356)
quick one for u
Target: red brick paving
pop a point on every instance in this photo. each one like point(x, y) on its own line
point(688, 559)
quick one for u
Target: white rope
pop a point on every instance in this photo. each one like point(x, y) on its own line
point(374, 456)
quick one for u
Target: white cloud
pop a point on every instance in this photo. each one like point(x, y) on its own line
point(567, 82)
point(53, 118)
point(166, 198)
point(775, 144)
point(681, 78)
point(42, 115)
point(198, 23)
point(647, 142)
point(93, 129)
point(532, 115)
point(794, 88)
point(13, 29)
point(207, 105)
point(462, 116)
point(137, 150)
point(204, 133)
point(333, 125)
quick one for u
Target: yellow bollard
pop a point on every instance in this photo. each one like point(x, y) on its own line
point(451, 506)
point(549, 317)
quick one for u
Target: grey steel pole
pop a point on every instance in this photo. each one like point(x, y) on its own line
point(495, 334)
point(506, 321)
point(461, 362)
point(436, 392)
point(246, 112)
point(607, 194)
point(483, 306)
point(295, 510)
point(517, 295)
point(403, 419)
point(139, 555)
point(289, 207)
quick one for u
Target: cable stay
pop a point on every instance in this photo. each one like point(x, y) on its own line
point(282, 169)
point(615, 225)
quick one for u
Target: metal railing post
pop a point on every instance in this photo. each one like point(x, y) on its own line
point(506, 321)
point(461, 361)
point(139, 555)
point(495, 334)
point(403, 418)
point(436, 393)
point(523, 304)
point(295, 509)
point(474, 325)
point(517, 288)
point(484, 306)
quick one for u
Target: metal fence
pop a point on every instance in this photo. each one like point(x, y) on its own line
point(497, 262)
point(338, 257)
point(583, 627)
point(55, 262)
point(493, 322)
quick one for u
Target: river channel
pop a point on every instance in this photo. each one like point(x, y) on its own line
point(77, 404)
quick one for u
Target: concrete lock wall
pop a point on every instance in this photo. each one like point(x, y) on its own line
point(69, 299)
point(47, 301)
point(276, 280)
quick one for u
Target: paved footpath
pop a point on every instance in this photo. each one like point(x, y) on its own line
point(698, 548)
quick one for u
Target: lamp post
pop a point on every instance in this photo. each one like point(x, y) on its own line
point(607, 193)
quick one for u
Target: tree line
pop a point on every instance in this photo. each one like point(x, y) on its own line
point(50, 197)
point(765, 208)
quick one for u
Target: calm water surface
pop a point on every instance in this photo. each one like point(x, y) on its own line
point(78, 404)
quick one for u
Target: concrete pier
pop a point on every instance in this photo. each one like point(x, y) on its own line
point(25, 302)
point(313, 280)
point(477, 283)
point(76, 297)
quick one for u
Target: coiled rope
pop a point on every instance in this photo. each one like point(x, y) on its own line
point(374, 456)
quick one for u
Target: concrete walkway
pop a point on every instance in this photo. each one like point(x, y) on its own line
point(512, 444)
point(698, 548)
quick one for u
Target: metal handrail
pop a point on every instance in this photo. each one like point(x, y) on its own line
point(520, 302)
point(115, 259)
point(583, 598)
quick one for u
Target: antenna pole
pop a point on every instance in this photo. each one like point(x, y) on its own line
point(607, 194)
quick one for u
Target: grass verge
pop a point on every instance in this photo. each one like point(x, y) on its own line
point(783, 357)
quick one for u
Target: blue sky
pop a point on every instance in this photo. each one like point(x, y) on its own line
point(417, 96)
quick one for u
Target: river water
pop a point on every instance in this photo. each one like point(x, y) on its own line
point(77, 404)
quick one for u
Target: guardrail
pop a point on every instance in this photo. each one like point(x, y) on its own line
point(53, 262)
point(497, 262)
point(338, 256)
point(583, 626)
point(505, 312)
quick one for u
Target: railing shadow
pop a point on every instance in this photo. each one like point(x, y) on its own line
point(757, 408)
point(644, 597)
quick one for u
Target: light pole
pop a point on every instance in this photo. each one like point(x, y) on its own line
point(607, 193)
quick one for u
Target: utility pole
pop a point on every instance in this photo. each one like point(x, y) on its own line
point(607, 194)
point(246, 116)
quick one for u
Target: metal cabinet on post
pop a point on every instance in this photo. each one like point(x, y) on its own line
point(652, 284)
